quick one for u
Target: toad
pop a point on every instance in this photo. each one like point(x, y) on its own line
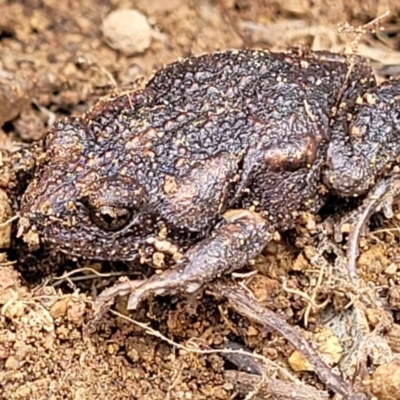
point(195, 171)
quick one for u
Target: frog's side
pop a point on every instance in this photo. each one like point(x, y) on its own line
point(211, 156)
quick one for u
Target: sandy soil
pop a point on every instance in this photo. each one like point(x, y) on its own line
point(56, 61)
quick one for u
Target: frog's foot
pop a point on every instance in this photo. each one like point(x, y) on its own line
point(240, 237)
point(380, 198)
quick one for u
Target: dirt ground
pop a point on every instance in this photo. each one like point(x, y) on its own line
point(55, 60)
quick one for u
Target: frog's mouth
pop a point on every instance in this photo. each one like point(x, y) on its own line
point(104, 218)
point(72, 230)
point(80, 242)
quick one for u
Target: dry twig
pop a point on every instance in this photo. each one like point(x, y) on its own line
point(247, 306)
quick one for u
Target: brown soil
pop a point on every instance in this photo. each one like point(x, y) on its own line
point(55, 61)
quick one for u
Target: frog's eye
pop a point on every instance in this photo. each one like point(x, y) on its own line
point(109, 218)
point(113, 202)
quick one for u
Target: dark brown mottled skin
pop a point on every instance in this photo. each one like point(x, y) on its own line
point(209, 158)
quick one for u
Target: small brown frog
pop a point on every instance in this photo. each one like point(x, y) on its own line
point(195, 171)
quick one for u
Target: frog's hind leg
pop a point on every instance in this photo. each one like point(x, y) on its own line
point(365, 141)
point(240, 237)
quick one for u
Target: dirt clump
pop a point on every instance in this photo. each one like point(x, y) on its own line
point(56, 60)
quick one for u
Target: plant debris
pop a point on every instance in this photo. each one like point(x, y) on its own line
point(55, 60)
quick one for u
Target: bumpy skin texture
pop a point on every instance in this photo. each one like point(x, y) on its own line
point(155, 170)
point(365, 143)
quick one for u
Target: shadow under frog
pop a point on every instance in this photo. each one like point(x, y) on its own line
point(208, 159)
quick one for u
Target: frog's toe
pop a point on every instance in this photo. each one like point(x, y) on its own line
point(166, 283)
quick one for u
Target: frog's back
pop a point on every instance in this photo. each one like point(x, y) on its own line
point(215, 100)
point(221, 102)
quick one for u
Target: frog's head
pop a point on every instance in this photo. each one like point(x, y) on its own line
point(82, 201)
point(366, 144)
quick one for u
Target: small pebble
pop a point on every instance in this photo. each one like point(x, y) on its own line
point(128, 31)
point(385, 383)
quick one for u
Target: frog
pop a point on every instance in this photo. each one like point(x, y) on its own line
point(196, 170)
